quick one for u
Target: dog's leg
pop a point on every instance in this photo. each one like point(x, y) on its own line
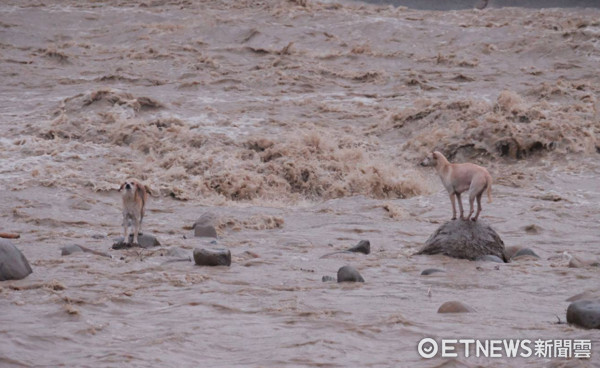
point(453, 206)
point(471, 200)
point(460, 207)
point(478, 207)
point(136, 229)
point(125, 229)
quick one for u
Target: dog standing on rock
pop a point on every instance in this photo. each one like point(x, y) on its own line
point(458, 178)
point(134, 197)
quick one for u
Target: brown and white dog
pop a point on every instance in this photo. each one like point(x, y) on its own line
point(134, 197)
point(458, 178)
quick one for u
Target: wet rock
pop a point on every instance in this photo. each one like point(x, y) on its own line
point(464, 239)
point(525, 252)
point(74, 248)
point(490, 258)
point(532, 229)
point(145, 241)
point(205, 226)
point(13, 264)
point(363, 246)
point(67, 250)
point(328, 278)
point(212, 257)
point(349, 274)
point(455, 307)
point(584, 313)
point(430, 271)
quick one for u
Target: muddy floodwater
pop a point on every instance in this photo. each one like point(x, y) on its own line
point(299, 125)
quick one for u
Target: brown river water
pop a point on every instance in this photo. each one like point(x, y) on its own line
point(300, 125)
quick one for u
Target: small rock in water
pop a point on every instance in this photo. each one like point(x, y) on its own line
point(532, 229)
point(455, 307)
point(98, 236)
point(13, 264)
point(67, 250)
point(584, 313)
point(144, 241)
point(363, 246)
point(430, 271)
point(205, 226)
point(205, 231)
point(464, 239)
point(525, 252)
point(490, 258)
point(349, 274)
point(212, 257)
point(328, 278)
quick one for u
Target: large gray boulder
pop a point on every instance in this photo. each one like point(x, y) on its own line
point(584, 313)
point(204, 227)
point(13, 264)
point(465, 239)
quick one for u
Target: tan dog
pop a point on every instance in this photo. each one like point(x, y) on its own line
point(134, 196)
point(458, 178)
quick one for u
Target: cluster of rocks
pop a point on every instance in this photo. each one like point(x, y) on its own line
point(458, 239)
point(479, 242)
point(348, 273)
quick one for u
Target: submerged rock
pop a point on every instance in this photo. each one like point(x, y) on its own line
point(464, 239)
point(490, 258)
point(584, 313)
point(67, 250)
point(212, 257)
point(327, 278)
point(349, 274)
point(13, 264)
point(525, 252)
point(205, 226)
point(430, 271)
point(363, 246)
point(455, 307)
point(144, 241)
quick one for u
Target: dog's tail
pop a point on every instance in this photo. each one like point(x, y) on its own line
point(489, 188)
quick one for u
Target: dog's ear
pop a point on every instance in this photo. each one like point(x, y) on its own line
point(121, 187)
point(139, 189)
point(148, 190)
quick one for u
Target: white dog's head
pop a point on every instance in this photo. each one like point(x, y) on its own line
point(133, 189)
